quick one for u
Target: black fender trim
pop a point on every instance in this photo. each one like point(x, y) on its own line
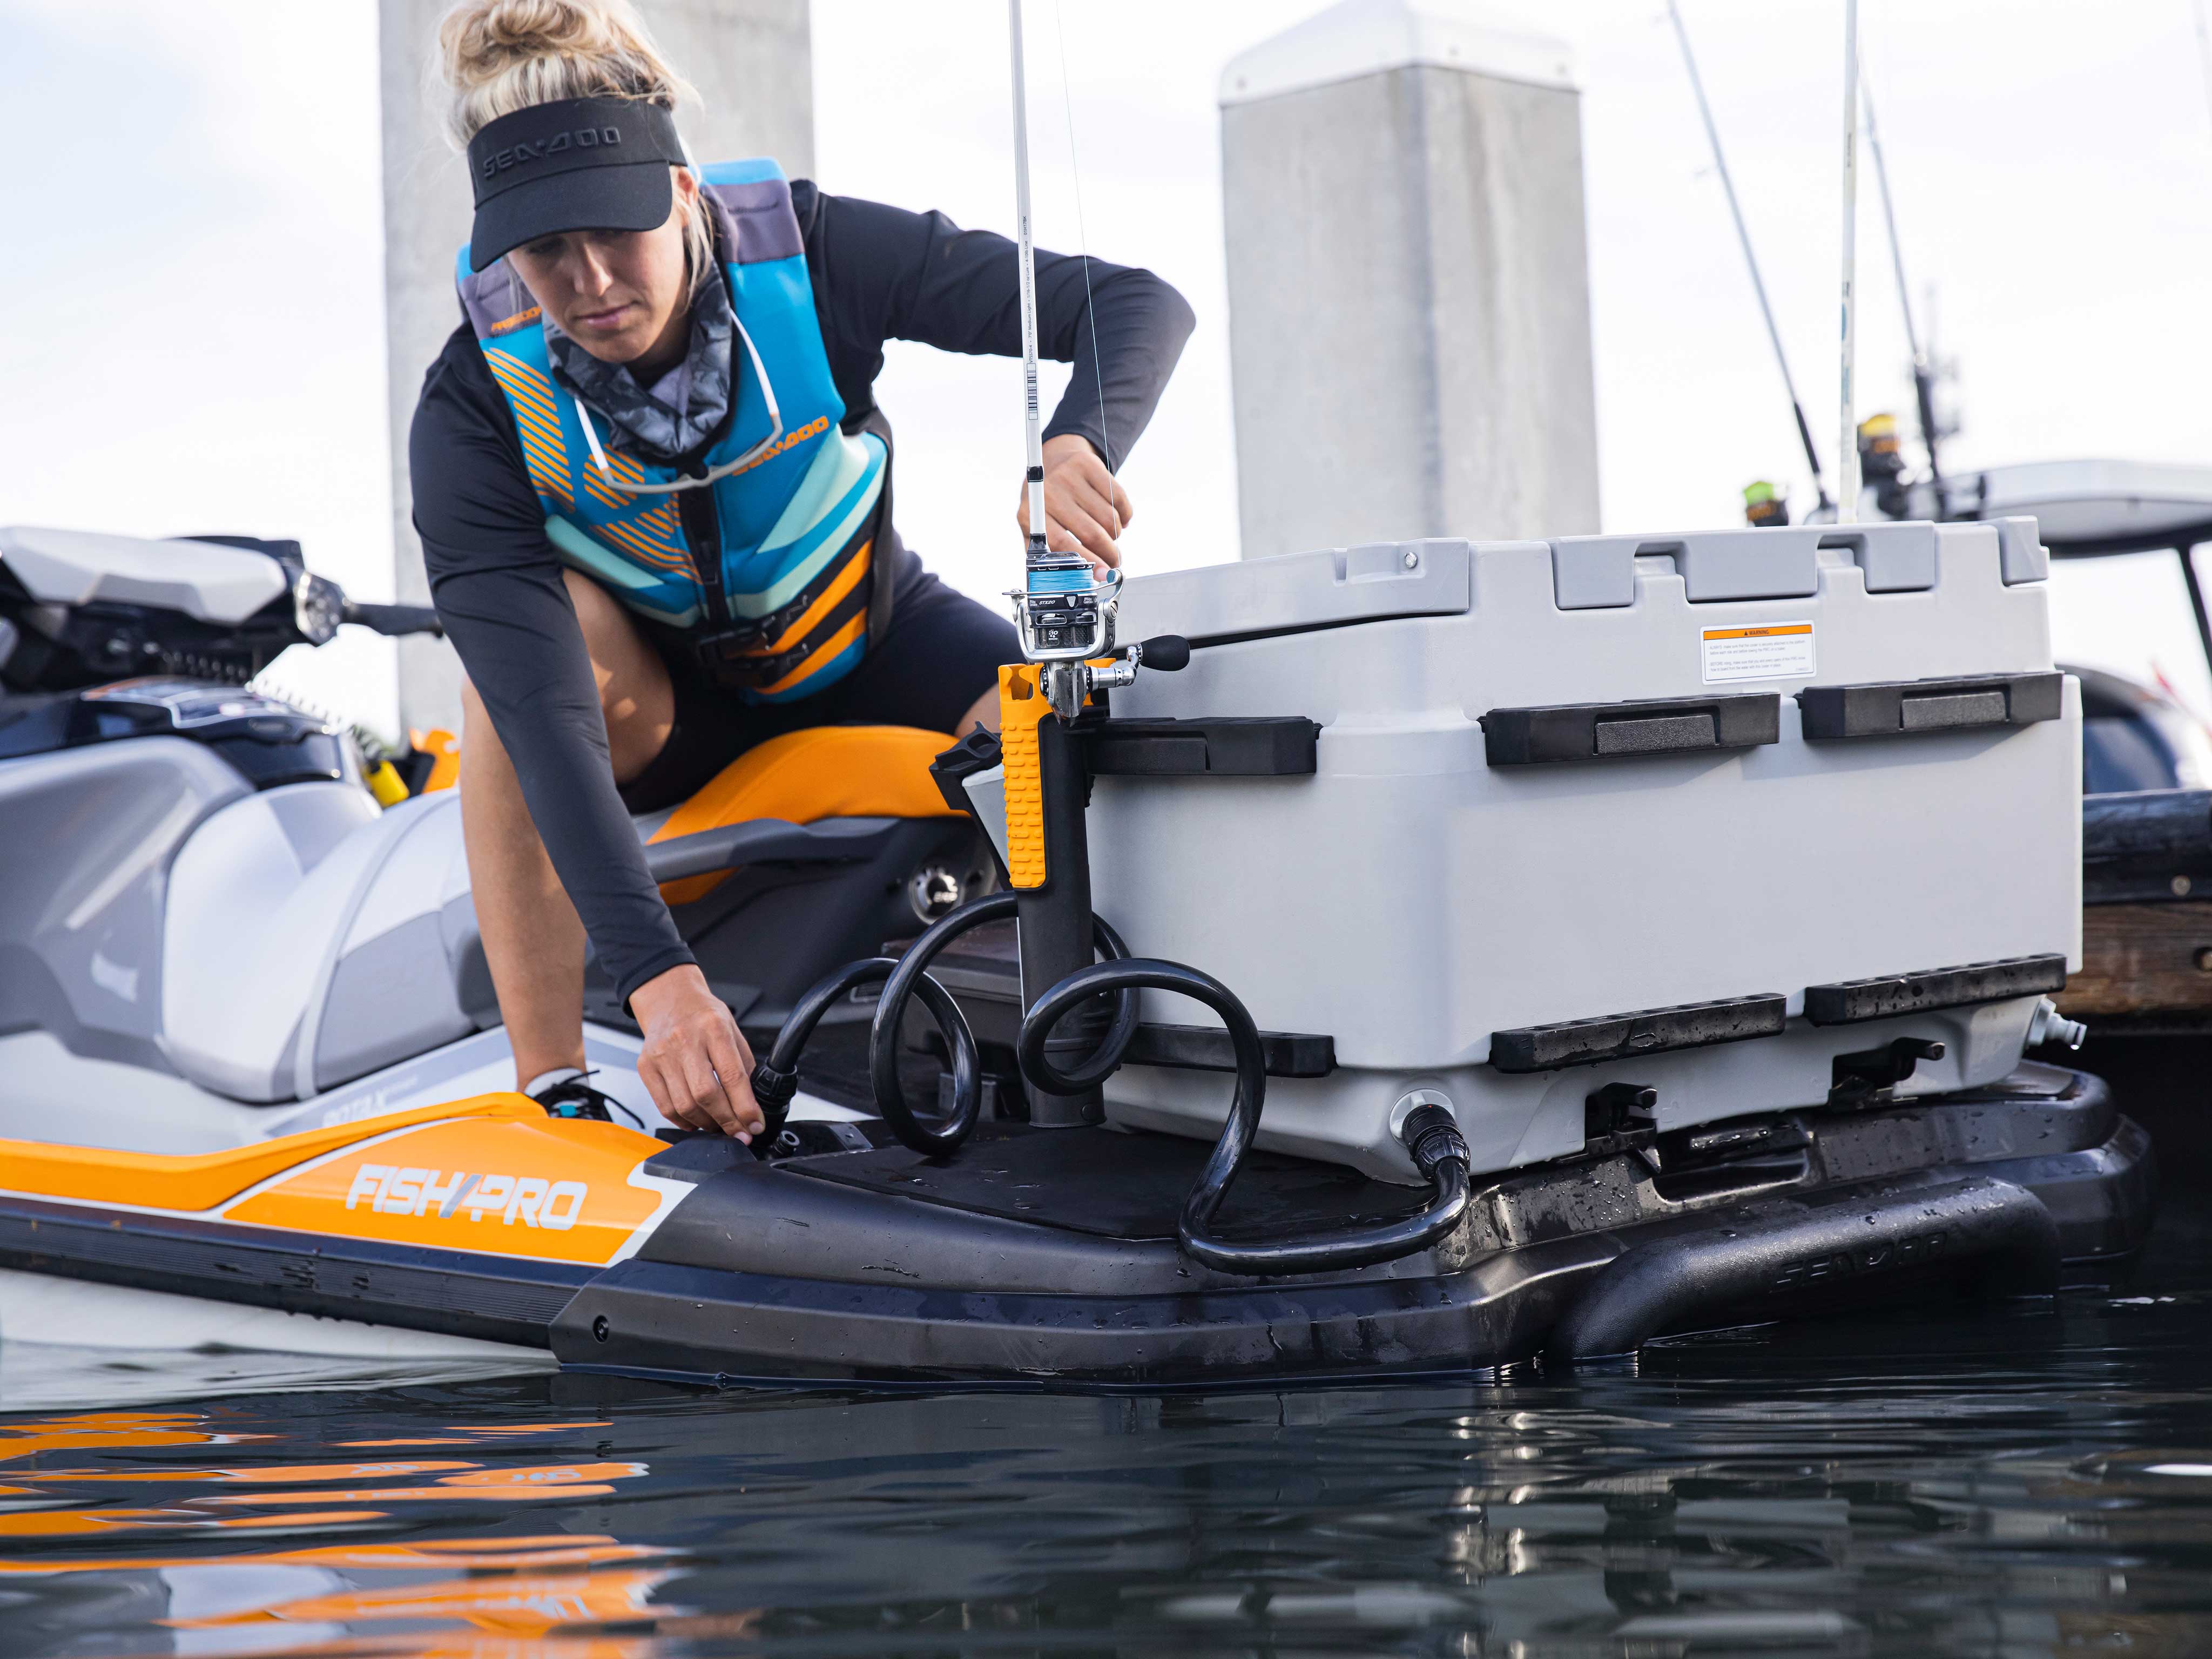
point(2002, 1230)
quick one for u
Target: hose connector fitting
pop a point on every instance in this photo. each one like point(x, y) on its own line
point(775, 1088)
point(2049, 1025)
point(1432, 1136)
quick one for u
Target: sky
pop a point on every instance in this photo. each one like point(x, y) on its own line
point(192, 289)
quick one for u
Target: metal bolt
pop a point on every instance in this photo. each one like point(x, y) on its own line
point(933, 891)
point(599, 1327)
point(2180, 885)
point(1412, 560)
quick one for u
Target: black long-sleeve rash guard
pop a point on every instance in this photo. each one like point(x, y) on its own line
point(878, 273)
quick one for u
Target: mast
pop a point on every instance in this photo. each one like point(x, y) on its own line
point(1924, 375)
point(1847, 446)
point(1750, 259)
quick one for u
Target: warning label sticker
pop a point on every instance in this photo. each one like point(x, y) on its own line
point(1776, 651)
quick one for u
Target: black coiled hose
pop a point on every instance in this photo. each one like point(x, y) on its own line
point(1429, 1132)
point(775, 1079)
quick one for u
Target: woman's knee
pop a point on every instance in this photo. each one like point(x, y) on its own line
point(636, 698)
point(484, 762)
point(621, 660)
point(604, 626)
point(476, 729)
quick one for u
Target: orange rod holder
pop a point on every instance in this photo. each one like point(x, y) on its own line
point(1022, 706)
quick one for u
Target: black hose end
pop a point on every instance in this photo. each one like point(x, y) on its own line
point(1431, 1135)
point(774, 1088)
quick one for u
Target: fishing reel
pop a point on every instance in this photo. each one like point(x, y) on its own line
point(1065, 616)
point(1066, 619)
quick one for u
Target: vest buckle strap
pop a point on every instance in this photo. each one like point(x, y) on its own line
point(731, 657)
point(749, 636)
point(738, 639)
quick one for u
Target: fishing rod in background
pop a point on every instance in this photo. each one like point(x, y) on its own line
point(1751, 260)
point(1923, 373)
point(1847, 434)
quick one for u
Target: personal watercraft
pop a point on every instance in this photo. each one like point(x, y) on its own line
point(1554, 948)
point(1544, 947)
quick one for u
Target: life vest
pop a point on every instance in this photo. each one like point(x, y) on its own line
point(784, 612)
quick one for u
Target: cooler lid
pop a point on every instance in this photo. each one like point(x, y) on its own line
point(1290, 592)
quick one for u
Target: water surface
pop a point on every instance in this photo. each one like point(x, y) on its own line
point(2032, 1482)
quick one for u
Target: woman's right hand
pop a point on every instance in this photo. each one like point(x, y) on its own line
point(696, 1063)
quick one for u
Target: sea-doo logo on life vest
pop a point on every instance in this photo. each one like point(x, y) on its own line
point(580, 139)
point(813, 429)
point(393, 1190)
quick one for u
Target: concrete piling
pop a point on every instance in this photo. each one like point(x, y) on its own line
point(1408, 281)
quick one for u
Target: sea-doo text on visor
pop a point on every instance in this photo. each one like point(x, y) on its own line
point(765, 550)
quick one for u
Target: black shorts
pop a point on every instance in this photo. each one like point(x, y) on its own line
point(940, 653)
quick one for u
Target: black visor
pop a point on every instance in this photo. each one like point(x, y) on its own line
point(581, 164)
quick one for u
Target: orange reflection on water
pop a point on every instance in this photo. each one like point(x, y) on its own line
point(440, 1554)
point(273, 1474)
point(79, 1523)
point(303, 1495)
point(548, 1480)
point(90, 1430)
point(474, 1433)
point(553, 1596)
point(530, 1604)
point(486, 1644)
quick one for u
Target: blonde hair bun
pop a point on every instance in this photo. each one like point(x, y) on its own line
point(499, 56)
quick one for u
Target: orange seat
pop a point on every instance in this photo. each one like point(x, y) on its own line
point(801, 777)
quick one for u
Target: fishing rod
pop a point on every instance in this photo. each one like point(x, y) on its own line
point(1066, 618)
point(1847, 444)
point(1039, 551)
point(2203, 44)
point(1924, 375)
point(1750, 258)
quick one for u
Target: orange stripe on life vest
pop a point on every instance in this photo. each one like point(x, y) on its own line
point(541, 454)
point(661, 558)
point(821, 657)
point(529, 418)
point(848, 579)
point(612, 494)
point(525, 387)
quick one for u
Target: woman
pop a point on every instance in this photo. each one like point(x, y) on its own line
point(653, 490)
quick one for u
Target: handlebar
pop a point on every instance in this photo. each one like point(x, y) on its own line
point(393, 620)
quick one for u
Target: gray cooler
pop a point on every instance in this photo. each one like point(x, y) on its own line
point(1693, 814)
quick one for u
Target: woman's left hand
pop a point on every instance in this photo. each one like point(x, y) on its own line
point(1085, 506)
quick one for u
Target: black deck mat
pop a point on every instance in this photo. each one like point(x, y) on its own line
point(1117, 1185)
